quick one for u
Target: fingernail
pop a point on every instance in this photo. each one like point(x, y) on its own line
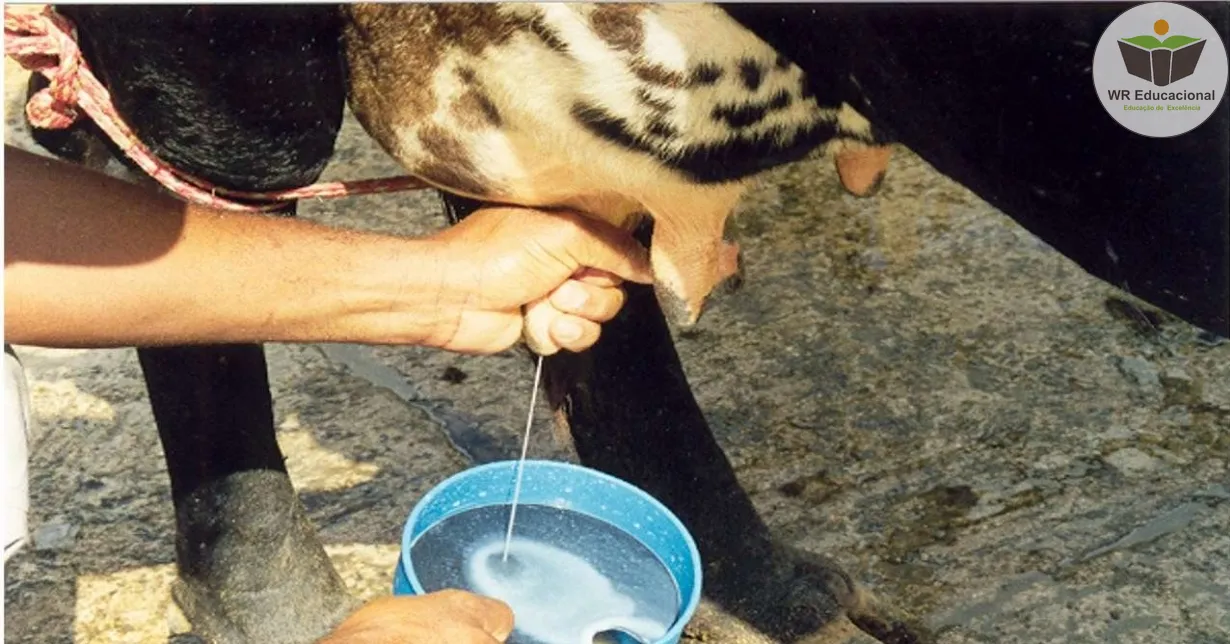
point(567, 330)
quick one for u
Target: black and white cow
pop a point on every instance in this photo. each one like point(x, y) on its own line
point(622, 111)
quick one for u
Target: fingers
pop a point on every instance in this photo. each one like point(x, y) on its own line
point(587, 301)
point(569, 317)
point(548, 330)
point(562, 271)
point(586, 241)
point(597, 277)
point(606, 248)
point(536, 330)
point(573, 333)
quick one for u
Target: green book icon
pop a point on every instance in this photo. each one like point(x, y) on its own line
point(1161, 62)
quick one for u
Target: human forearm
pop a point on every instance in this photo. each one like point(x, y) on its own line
point(92, 261)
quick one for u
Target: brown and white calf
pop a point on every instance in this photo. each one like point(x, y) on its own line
point(614, 110)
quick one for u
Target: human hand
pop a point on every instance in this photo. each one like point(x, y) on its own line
point(452, 616)
point(177, 274)
point(563, 268)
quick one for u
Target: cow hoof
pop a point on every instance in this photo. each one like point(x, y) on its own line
point(253, 569)
point(862, 170)
point(712, 624)
point(801, 598)
point(871, 614)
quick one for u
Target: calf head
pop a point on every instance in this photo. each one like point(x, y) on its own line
point(618, 111)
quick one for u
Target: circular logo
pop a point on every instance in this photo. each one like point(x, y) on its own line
point(1160, 69)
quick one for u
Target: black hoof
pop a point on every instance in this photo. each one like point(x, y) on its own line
point(256, 572)
point(796, 597)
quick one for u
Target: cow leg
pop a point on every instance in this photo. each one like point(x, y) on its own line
point(631, 413)
point(251, 568)
point(248, 98)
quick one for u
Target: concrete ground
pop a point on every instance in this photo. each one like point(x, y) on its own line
point(1000, 444)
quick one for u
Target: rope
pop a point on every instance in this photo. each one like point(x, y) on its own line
point(46, 43)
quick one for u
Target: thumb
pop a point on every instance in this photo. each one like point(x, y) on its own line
point(604, 247)
point(491, 615)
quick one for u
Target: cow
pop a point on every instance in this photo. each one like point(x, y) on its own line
point(1000, 98)
point(251, 98)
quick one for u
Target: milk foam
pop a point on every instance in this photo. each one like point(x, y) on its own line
point(556, 596)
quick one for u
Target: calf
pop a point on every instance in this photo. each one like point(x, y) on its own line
point(613, 110)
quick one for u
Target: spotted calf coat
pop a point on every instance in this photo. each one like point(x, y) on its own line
point(617, 110)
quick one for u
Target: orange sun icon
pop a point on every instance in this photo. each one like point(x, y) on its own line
point(1161, 27)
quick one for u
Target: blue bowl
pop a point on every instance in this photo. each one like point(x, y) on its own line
point(569, 487)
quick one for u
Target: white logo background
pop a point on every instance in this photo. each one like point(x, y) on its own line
point(1110, 73)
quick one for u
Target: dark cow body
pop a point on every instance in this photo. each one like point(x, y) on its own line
point(1000, 98)
point(237, 96)
point(251, 98)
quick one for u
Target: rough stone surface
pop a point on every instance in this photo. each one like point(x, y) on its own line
point(56, 534)
point(988, 437)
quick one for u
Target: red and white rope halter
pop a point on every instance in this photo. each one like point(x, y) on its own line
point(46, 43)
